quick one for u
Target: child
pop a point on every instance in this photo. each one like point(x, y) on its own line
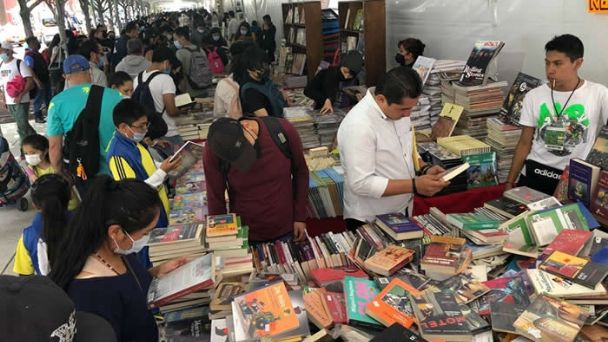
point(122, 82)
point(36, 150)
point(128, 158)
point(37, 246)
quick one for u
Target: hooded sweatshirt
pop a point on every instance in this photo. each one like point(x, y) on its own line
point(133, 65)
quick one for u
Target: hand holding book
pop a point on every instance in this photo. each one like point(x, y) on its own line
point(167, 266)
point(170, 163)
point(428, 185)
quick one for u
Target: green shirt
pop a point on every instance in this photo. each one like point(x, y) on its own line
point(67, 105)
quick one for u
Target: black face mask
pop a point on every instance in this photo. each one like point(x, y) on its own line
point(399, 58)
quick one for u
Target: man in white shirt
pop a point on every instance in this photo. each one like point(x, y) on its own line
point(18, 104)
point(560, 119)
point(375, 142)
point(162, 89)
point(233, 26)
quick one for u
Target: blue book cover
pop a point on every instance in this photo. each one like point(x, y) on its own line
point(398, 222)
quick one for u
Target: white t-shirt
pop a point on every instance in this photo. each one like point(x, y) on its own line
point(559, 138)
point(8, 71)
point(225, 92)
point(161, 85)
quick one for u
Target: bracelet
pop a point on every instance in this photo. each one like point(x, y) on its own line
point(425, 169)
point(414, 190)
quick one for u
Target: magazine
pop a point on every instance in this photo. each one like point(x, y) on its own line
point(190, 154)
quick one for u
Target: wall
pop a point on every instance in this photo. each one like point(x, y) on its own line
point(450, 27)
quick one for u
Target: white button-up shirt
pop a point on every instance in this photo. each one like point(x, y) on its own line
point(373, 150)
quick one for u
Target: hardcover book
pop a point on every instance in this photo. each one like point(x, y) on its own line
point(599, 203)
point(583, 180)
point(358, 292)
point(392, 305)
point(398, 226)
point(511, 108)
point(551, 319)
point(599, 153)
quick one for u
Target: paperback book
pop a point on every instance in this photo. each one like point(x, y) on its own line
point(358, 292)
point(392, 305)
point(583, 180)
point(189, 154)
point(398, 226)
point(511, 108)
point(475, 71)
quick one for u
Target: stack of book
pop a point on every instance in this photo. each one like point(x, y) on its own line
point(302, 120)
point(326, 126)
point(326, 192)
point(194, 126)
point(464, 145)
point(421, 114)
point(229, 239)
point(503, 139)
point(480, 103)
point(443, 71)
point(175, 241)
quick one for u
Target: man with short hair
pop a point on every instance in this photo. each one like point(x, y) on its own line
point(185, 49)
point(162, 89)
point(65, 108)
point(560, 119)
point(16, 82)
point(33, 59)
point(91, 50)
point(134, 63)
point(375, 142)
point(131, 31)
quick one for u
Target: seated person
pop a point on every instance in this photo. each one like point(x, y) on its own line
point(325, 87)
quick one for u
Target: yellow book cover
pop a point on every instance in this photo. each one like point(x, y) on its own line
point(221, 225)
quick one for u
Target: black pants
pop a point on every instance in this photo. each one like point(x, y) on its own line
point(540, 177)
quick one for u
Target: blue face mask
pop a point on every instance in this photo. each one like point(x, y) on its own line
point(137, 136)
point(177, 44)
point(4, 57)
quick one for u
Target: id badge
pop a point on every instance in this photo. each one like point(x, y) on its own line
point(555, 137)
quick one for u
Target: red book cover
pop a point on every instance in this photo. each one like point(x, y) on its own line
point(280, 252)
point(599, 203)
point(336, 305)
point(439, 254)
point(569, 241)
point(324, 276)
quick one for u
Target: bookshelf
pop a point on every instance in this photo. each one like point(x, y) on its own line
point(302, 30)
point(363, 28)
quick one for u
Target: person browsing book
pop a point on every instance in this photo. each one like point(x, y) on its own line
point(96, 263)
point(375, 142)
point(261, 163)
point(560, 119)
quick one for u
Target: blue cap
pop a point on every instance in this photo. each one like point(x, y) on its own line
point(75, 63)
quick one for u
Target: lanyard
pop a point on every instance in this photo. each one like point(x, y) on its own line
point(568, 100)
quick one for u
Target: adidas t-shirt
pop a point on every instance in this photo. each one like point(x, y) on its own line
point(559, 138)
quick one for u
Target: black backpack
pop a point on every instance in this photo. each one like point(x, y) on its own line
point(158, 127)
point(278, 135)
point(81, 145)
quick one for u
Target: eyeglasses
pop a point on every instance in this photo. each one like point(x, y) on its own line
point(142, 126)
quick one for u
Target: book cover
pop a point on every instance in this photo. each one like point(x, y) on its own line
point(302, 330)
point(503, 315)
point(186, 314)
point(187, 215)
point(506, 207)
point(545, 225)
point(452, 172)
point(224, 294)
point(191, 200)
point(221, 225)
point(599, 153)
point(336, 305)
point(219, 330)
point(323, 277)
point(397, 332)
point(446, 253)
point(599, 203)
point(189, 153)
point(264, 312)
point(389, 259)
point(511, 108)
point(547, 283)
point(483, 52)
point(439, 316)
point(448, 118)
point(178, 234)
point(392, 305)
point(473, 221)
point(579, 270)
point(561, 191)
point(196, 275)
point(358, 292)
point(316, 308)
point(525, 195)
point(551, 319)
point(190, 187)
point(198, 328)
point(569, 241)
point(396, 222)
point(482, 170)
point(423, 66)
point(583, 180)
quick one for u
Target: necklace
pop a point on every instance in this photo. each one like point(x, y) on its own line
point(568, 100)
point(107, 264)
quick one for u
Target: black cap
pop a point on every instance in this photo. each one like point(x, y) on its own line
point(34, 308)
point(353, 61)
point(227, 141)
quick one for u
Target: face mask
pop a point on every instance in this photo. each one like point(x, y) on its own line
point(200, 30)
point(215, 37)
point(33, 159)
point(137, 136)
point(137, 246)
point(399, 58)
point(167, 70)
point(243, 31)
point(26, 46)
point(4, 57)
point(177, 44)
point(101, 63)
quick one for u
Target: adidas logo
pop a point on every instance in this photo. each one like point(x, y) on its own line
point(546, 173)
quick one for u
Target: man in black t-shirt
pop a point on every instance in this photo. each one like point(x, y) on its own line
point(36, 62)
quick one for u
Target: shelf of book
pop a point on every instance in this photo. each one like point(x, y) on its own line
point(302, 29)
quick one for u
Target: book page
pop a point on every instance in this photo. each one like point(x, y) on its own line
point(190, 154)
point(189, 275)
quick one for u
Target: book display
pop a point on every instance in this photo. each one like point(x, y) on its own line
point(302, 28)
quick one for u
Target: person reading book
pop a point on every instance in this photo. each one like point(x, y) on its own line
point(560, 119)
point(96, 263)
point(268, 189)
point(375, 141)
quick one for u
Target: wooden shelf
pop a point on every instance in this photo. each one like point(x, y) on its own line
point(296, 25)
point(312, 27)
point(351, 32)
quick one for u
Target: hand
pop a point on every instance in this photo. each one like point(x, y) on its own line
point(428, 185)
point(435, 170)
point(508, 186)
point(299, 231)
point(170, 265)
point(287, 98)
point(327, 108)
point(18, 98)
point(168, 164)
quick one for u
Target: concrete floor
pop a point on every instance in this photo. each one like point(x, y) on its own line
point(12, 221)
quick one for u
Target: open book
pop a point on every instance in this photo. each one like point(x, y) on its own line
point(190, 153)
point(182, 100)
point(196, 275)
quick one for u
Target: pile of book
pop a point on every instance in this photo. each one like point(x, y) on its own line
point(304, 123)
point(443, 71)
point(194, 126)
point(503, 139)
point(421, 114)
point(326, 192)
point(228, 238)
point(326, 126)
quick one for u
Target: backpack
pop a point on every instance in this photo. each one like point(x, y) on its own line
point(34, 90)
point(278, 135)
point(200, 75)
point(215, 62)
point(142, 94)
point(81, 145)
point(268, 89)
point(235, 109)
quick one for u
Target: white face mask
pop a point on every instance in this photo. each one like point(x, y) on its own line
point(137, 246)
point(33, 159)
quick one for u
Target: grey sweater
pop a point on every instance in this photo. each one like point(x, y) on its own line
point(133, 65)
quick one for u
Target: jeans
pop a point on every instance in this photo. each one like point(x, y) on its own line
point(42, 97)
point(20, 114)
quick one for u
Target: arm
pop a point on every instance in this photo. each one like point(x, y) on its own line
point(314, 89)
point(121, 169)
point(23, 262)
point(254, 102)
point(29, 85)
point(170, 108)
point(55, 154)
point(216, 184)
point(521, 153)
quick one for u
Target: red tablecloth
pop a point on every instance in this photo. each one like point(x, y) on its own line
point(458, 202)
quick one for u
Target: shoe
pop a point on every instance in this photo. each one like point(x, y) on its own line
point(40, 120)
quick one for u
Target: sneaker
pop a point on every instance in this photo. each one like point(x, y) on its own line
point(40, 120)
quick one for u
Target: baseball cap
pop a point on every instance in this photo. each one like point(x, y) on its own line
point(75, 63)
point(34, 308)
point(227, 141)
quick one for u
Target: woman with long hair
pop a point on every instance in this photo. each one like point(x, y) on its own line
point(97, 265)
